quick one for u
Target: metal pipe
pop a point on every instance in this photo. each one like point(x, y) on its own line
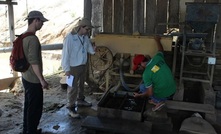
point(122, 78)
point(43, 47)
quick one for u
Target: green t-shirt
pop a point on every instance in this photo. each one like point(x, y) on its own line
point(158, 75)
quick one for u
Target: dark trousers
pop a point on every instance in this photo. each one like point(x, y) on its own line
point(33, 105)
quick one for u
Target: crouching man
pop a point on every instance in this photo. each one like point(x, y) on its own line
point(159, 84)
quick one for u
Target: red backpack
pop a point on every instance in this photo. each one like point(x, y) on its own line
point(18, 61)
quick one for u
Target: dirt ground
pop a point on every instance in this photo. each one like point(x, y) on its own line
point(11, 109)
point(55, 119)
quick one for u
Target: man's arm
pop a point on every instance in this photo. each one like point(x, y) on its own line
point(38, 72)
point(159, 45)
point(65, 61)
point(148, 93)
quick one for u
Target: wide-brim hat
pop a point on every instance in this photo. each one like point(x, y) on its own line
point(85, 22)
point(36, 14)
point(137, 60)
point(81, 23)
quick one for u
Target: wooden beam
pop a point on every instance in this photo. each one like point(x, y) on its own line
point(7, 82)
point(8, 3)
point(188, 106)
point(117, 125)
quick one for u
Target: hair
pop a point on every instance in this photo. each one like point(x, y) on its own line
point(147, 58)
point(32, 19)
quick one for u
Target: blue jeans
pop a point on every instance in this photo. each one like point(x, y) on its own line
point(153, 98)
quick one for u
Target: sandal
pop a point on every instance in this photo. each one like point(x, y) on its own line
point(152, 102)
point(158, 106)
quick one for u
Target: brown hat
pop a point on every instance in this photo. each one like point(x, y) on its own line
point(36, 14)
point(85, 22)
point(80, 23)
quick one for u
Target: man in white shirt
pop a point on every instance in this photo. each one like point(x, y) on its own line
point(74, 58)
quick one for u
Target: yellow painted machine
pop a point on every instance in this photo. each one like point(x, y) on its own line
point(112, 62)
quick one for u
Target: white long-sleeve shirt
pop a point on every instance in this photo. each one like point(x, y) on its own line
point(74, 52)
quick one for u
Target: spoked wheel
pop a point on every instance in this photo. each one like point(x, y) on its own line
point(102, 59)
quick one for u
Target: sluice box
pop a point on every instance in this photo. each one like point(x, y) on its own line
point(121, 105)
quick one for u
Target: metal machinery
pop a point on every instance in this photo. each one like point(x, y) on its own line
point(111, 68)
point(113, 59)
point(199, 45)
point(112, 64)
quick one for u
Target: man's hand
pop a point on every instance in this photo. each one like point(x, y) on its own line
point(67, 73)
point(159, 45)
point(135, 94)
point(94, 46)
point(44, 84)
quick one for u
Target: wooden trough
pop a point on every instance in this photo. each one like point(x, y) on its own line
point(7, 82)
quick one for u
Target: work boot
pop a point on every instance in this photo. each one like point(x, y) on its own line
point(83, 103)
point(39, 131)
point(73, 113)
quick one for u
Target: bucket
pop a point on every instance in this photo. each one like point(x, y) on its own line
point(218, 100)
point(63, 83)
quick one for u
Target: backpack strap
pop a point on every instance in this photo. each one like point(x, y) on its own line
point(23, 35)
point(26, 34)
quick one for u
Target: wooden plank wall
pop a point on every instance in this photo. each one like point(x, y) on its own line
point(150, 16)
point(153, 16)
point(173, 13)
point(128, 17)
point(118, 17)
point(107, 16)
point(140, 15)
point(161, 16)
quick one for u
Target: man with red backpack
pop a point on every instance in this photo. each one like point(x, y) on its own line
point(33, 79)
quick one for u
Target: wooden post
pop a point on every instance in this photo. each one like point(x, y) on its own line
point(87, 9)
point(11, 27)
